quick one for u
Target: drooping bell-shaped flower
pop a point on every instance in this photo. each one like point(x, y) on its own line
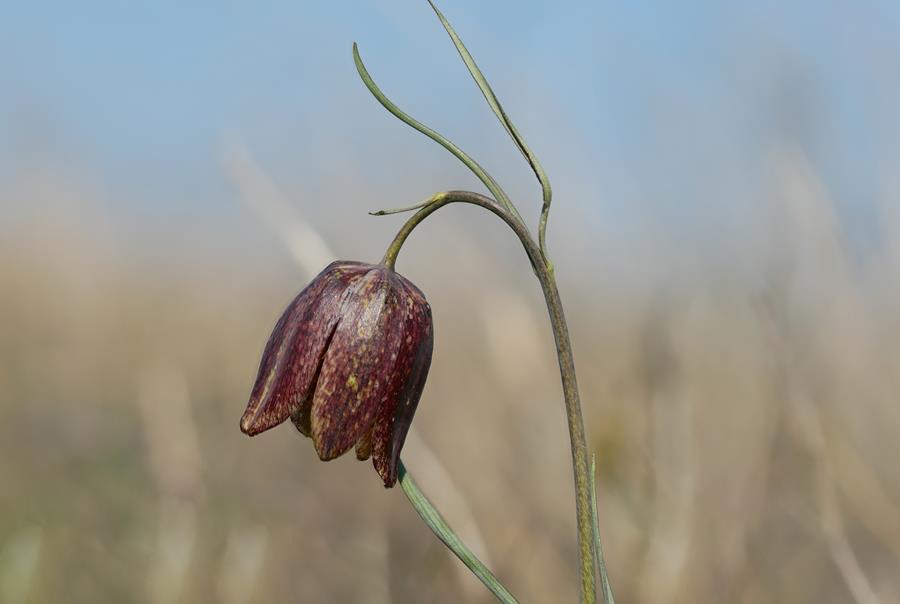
point(347, 362)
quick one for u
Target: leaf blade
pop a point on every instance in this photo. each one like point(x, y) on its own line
point(497, 108)
point(442, 531)
point(598, 547)
point(482, 174)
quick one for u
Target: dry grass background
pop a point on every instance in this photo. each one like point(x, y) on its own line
point(744, 412)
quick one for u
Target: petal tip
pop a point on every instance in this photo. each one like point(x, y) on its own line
point(325, 451)
point(385, 469)
point(249, 425)
point(390, 479)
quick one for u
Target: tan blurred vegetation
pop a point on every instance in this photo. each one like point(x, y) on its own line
point(746, 422)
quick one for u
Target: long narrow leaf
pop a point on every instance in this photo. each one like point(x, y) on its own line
point(497, 108)
point(442, 530)
point(604, 579)
point(407, 119)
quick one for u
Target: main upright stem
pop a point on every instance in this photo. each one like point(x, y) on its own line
point(563, 353)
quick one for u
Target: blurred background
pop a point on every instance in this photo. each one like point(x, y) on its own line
point(726, 232)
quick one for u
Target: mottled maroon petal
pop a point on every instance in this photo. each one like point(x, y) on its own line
point(293, 354)
point(347, 362)
point(364, 445)
point(354, 379)
point(407, 381)
point(301, 419)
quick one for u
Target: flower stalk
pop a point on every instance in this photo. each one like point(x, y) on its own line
point(574, 418)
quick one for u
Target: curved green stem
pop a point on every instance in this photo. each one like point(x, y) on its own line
point(574, 417)
point(439, 527)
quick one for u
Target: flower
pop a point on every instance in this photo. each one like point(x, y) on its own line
point(347, 362)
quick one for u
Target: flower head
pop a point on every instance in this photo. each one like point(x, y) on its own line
point(347, 362)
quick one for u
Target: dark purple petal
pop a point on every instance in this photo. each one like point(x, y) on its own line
point(407, 380)
point(294, 353)
point(355, 377)
point(347, 362)
point(301, 419)
point(364, 445)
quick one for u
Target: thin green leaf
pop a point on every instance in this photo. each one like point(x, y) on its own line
point(497, 108)
point(464, 157)
point(442, 530)
point(418, 206)
point(604, 579)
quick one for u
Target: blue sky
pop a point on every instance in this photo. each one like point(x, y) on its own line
point(630, 105)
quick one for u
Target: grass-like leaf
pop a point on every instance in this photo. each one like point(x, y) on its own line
point(404, 117)
point(497, 108)
point(442, 530)
point(389, 211)
point(598, 548)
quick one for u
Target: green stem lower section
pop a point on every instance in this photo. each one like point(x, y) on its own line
point(586, 548)
point(442, 530)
